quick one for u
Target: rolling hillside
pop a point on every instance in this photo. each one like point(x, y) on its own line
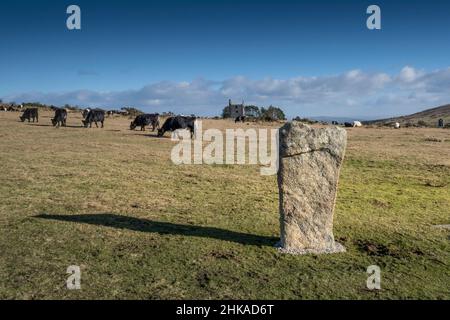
point(429, 116)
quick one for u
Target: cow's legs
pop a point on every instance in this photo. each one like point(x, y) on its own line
point(102, 124)
point(96, 124)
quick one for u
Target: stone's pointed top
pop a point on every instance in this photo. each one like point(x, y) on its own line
point(297, 138)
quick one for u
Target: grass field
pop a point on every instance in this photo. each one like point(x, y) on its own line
point(111, 201)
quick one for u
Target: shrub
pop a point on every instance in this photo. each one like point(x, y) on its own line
point(422, 123)
point(305, 120)
point(272, 114)
point(132, 111)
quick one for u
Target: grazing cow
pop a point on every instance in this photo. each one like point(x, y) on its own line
point(85, 112)
point(60, 117)
point(178, 122)
point(143, 120)
point(357, 124)
point(14, 109)
point(348, 125)
point(334, 123)
point(397, 125)
point(30, 113)
point(95, 115)
point(239, 119)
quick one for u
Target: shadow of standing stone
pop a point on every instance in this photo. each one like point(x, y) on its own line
point(310, 160)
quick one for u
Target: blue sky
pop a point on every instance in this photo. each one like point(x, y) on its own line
point(309, 57)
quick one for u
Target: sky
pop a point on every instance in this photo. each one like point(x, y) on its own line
point(311, 58)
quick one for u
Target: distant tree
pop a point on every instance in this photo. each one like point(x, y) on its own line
point(422, 123)
point(268, 114)
point(272, 114)
point(226, 112)
point(132, 111)
point(252, 111)
point(305, 120)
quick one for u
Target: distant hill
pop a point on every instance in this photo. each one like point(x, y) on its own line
point(429, 116)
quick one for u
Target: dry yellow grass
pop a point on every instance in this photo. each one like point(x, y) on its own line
point(111, 201)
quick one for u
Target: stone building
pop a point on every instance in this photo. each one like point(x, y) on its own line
point(236, 110)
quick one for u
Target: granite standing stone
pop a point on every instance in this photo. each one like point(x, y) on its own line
point(310, 160)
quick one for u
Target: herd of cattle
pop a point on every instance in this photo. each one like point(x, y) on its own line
point(172, 123)
point(98, 116)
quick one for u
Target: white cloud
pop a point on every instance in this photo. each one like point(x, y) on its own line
point(408, 74)
point(353, 93)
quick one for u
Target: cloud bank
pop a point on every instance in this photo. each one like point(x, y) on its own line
point(353, 93)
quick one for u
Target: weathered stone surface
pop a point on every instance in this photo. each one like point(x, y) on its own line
point(310, 160)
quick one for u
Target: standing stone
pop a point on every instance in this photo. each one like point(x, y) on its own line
point(310, 160)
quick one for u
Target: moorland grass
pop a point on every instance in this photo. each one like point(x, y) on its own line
point(111, 201)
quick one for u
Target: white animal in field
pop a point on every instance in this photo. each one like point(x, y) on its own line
point(357, 124)
point(397, 125)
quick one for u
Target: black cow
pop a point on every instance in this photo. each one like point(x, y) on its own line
point(143, 120)
point(239, 119)
point(348, 125)
point(178, 122)
point(95, 115)
point(60, 117)
point(85, 112)
point(30, 113)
